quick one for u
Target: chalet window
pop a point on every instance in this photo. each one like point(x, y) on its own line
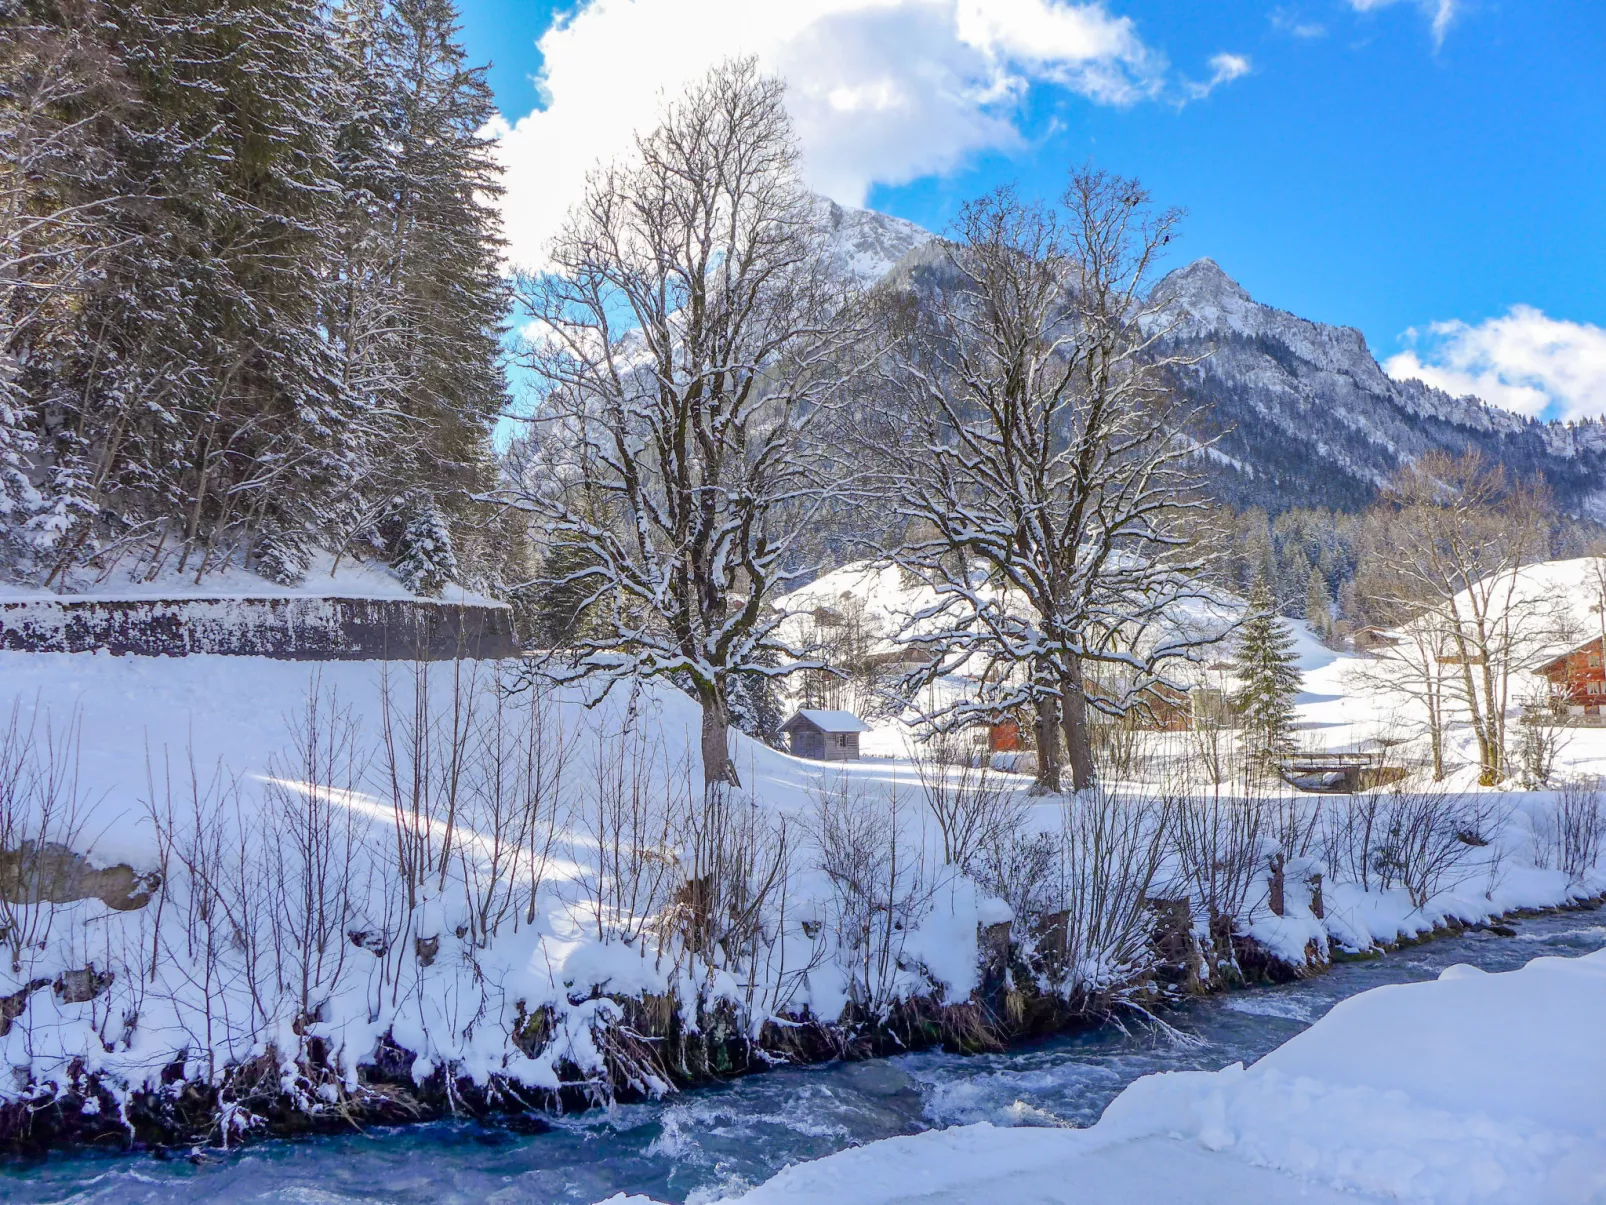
point(1594, 658)
point(1592, 687)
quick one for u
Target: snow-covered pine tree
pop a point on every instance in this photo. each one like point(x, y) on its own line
point(424, 557)
point(1268, 676)
point(1318, 605)
point(206, 408)
point(58, 97)
point(420, 302)
point(275, 305)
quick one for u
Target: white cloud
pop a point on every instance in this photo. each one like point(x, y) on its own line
point(1524, 361)
point(882, 91)
point(1224, 68)
point(1439, 13)
point(1290, 23)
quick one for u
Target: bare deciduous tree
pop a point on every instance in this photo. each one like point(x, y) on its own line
point(691, 329)
point(1038, 461)
point(1458, 539)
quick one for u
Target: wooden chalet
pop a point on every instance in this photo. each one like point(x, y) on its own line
point(1578, 679)
point(825, 735)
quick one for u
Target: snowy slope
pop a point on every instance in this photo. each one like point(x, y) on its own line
point(1424, 1092)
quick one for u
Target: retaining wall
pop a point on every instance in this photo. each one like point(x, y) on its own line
point(289, 628)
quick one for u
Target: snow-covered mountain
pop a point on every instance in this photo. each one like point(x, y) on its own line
point(1305, 415)
point(1301, 412)
point(866, 244)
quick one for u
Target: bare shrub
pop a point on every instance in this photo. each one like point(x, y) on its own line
point(1292, 820)
point(631, 816)
point(729, 906)
point(1541, 737)
point(1420, 838)
point(1111, 848)
point(313, 843)
point(974, 809)
point(1422, 842)
point(1021, 869)
point(210, 953)
point(42, 811)
point(879, 885)
point(1119, 749)
point(1569, 836)
point(1352, 826)
point(1219, 842)
point(509, 806)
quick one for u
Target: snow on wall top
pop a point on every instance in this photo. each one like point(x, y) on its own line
point(350, 579)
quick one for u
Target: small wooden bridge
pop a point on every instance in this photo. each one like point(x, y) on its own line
point(1334, 773)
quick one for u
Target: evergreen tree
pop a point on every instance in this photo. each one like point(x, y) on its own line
point(1268, 677)
point(425, 560)
point(418, 302)
point(275, 306)
point(1318, 605)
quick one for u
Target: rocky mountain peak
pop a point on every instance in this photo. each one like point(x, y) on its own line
point(866, 244)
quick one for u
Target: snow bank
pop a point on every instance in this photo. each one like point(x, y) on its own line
point(1476, 1088)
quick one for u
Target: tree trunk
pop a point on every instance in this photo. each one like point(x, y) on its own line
point(1436, 739)
point(1078, 735)
point(718, 769)
point(1048, 745)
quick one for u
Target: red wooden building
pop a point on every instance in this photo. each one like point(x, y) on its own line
point(1577, 678)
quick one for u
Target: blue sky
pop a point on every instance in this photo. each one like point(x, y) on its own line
point(1387, 164)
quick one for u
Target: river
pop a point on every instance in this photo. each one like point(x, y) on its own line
point(704, 1144)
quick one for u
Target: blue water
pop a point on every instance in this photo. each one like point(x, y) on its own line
point(705, 1144)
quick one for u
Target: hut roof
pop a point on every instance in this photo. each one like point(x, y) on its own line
point(827, 721)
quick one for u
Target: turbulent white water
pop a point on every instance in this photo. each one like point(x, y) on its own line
point(702, 1145)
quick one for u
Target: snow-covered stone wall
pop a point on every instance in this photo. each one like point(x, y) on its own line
point(296, 628)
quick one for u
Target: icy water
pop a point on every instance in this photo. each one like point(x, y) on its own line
point(713, 1142)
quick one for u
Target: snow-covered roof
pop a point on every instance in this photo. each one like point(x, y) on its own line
point(830, 721)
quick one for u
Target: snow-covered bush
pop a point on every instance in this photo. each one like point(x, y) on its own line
point(284, 556)
point(736, 863)
point(880, 887)
point(1021, 868)
point(1541, 737)
point(1420, 838)
point(1111, 849)
point(1219, 840)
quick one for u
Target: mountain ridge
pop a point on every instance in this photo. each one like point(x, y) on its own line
point(1298, 412)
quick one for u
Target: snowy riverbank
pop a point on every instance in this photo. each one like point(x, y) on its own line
point(1471, 1088)
point(347, 926)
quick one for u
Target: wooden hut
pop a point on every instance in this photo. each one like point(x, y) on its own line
point(825, 735)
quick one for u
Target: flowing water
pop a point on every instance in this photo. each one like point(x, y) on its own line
point(705, 1144)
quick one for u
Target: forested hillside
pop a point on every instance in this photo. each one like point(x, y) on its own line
point(250, 297)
